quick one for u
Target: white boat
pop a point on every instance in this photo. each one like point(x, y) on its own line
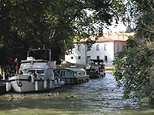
point(34, 75)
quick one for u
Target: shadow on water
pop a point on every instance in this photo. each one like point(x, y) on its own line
point(96, 97)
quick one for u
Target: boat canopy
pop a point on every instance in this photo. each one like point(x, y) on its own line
point(77, 70)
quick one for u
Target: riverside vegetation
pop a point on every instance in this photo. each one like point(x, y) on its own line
point(133, 67)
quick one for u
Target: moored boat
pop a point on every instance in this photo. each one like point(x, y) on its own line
point(34, 75)
point(72, 76)
point(96, 70)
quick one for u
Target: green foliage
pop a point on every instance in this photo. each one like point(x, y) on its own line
point(89, 44)
point(54, 23)
point(145, 30)
point(132, 68)
point(151, 95)
point(142, 14)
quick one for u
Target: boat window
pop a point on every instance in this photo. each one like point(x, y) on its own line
point(81, 73)
point(40, 71)
point(69, 73)
point(94, 67)
point(62, 73)
point(56, 73)
point(32, 71)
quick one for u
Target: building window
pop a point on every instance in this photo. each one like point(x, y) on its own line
point(79, 47)
point(88, 57)
point(117, 47)
point(79, 57)
point(105, 47)
point(105, 58)
point(97, 47)
point(71, 57)
point(97, 57)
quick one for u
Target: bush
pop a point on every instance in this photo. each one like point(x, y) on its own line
point(132, 70)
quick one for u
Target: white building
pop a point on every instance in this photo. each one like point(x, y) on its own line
point(104, 49)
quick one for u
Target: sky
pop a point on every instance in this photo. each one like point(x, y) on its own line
point(117, 29)
point(112, 29)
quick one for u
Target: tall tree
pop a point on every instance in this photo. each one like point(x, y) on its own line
point(134, 65)
point(31, 23)
point(142, 12)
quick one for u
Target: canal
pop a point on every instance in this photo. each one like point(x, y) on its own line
point(95, 97)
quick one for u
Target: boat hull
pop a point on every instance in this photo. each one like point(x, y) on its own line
point(95, 74)
point(74, 80)
point(23, 85)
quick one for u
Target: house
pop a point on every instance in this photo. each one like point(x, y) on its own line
point(104, 49)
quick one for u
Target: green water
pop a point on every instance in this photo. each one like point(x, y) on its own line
point(96, 97)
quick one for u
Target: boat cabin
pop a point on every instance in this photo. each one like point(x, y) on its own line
point(71, 76)
point(96, 69)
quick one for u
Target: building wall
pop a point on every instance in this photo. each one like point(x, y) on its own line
point(111, 41)
point(103, 50)
point(118, 46)
point(99, 50)
point(77, 55)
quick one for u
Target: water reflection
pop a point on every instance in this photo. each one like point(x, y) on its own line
point(96, 97)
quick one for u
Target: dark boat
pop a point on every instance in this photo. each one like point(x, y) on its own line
point(96, 69)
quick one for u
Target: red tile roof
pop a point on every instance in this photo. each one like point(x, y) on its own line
point(108, 37)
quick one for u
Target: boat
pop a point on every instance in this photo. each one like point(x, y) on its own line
point(95, 69)
point(35, 74)
point(72, 75)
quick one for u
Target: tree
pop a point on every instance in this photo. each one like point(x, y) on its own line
point(133, 67)
point(21, 27)
point(133, 70)
point(32, 23)
point(142, 12)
